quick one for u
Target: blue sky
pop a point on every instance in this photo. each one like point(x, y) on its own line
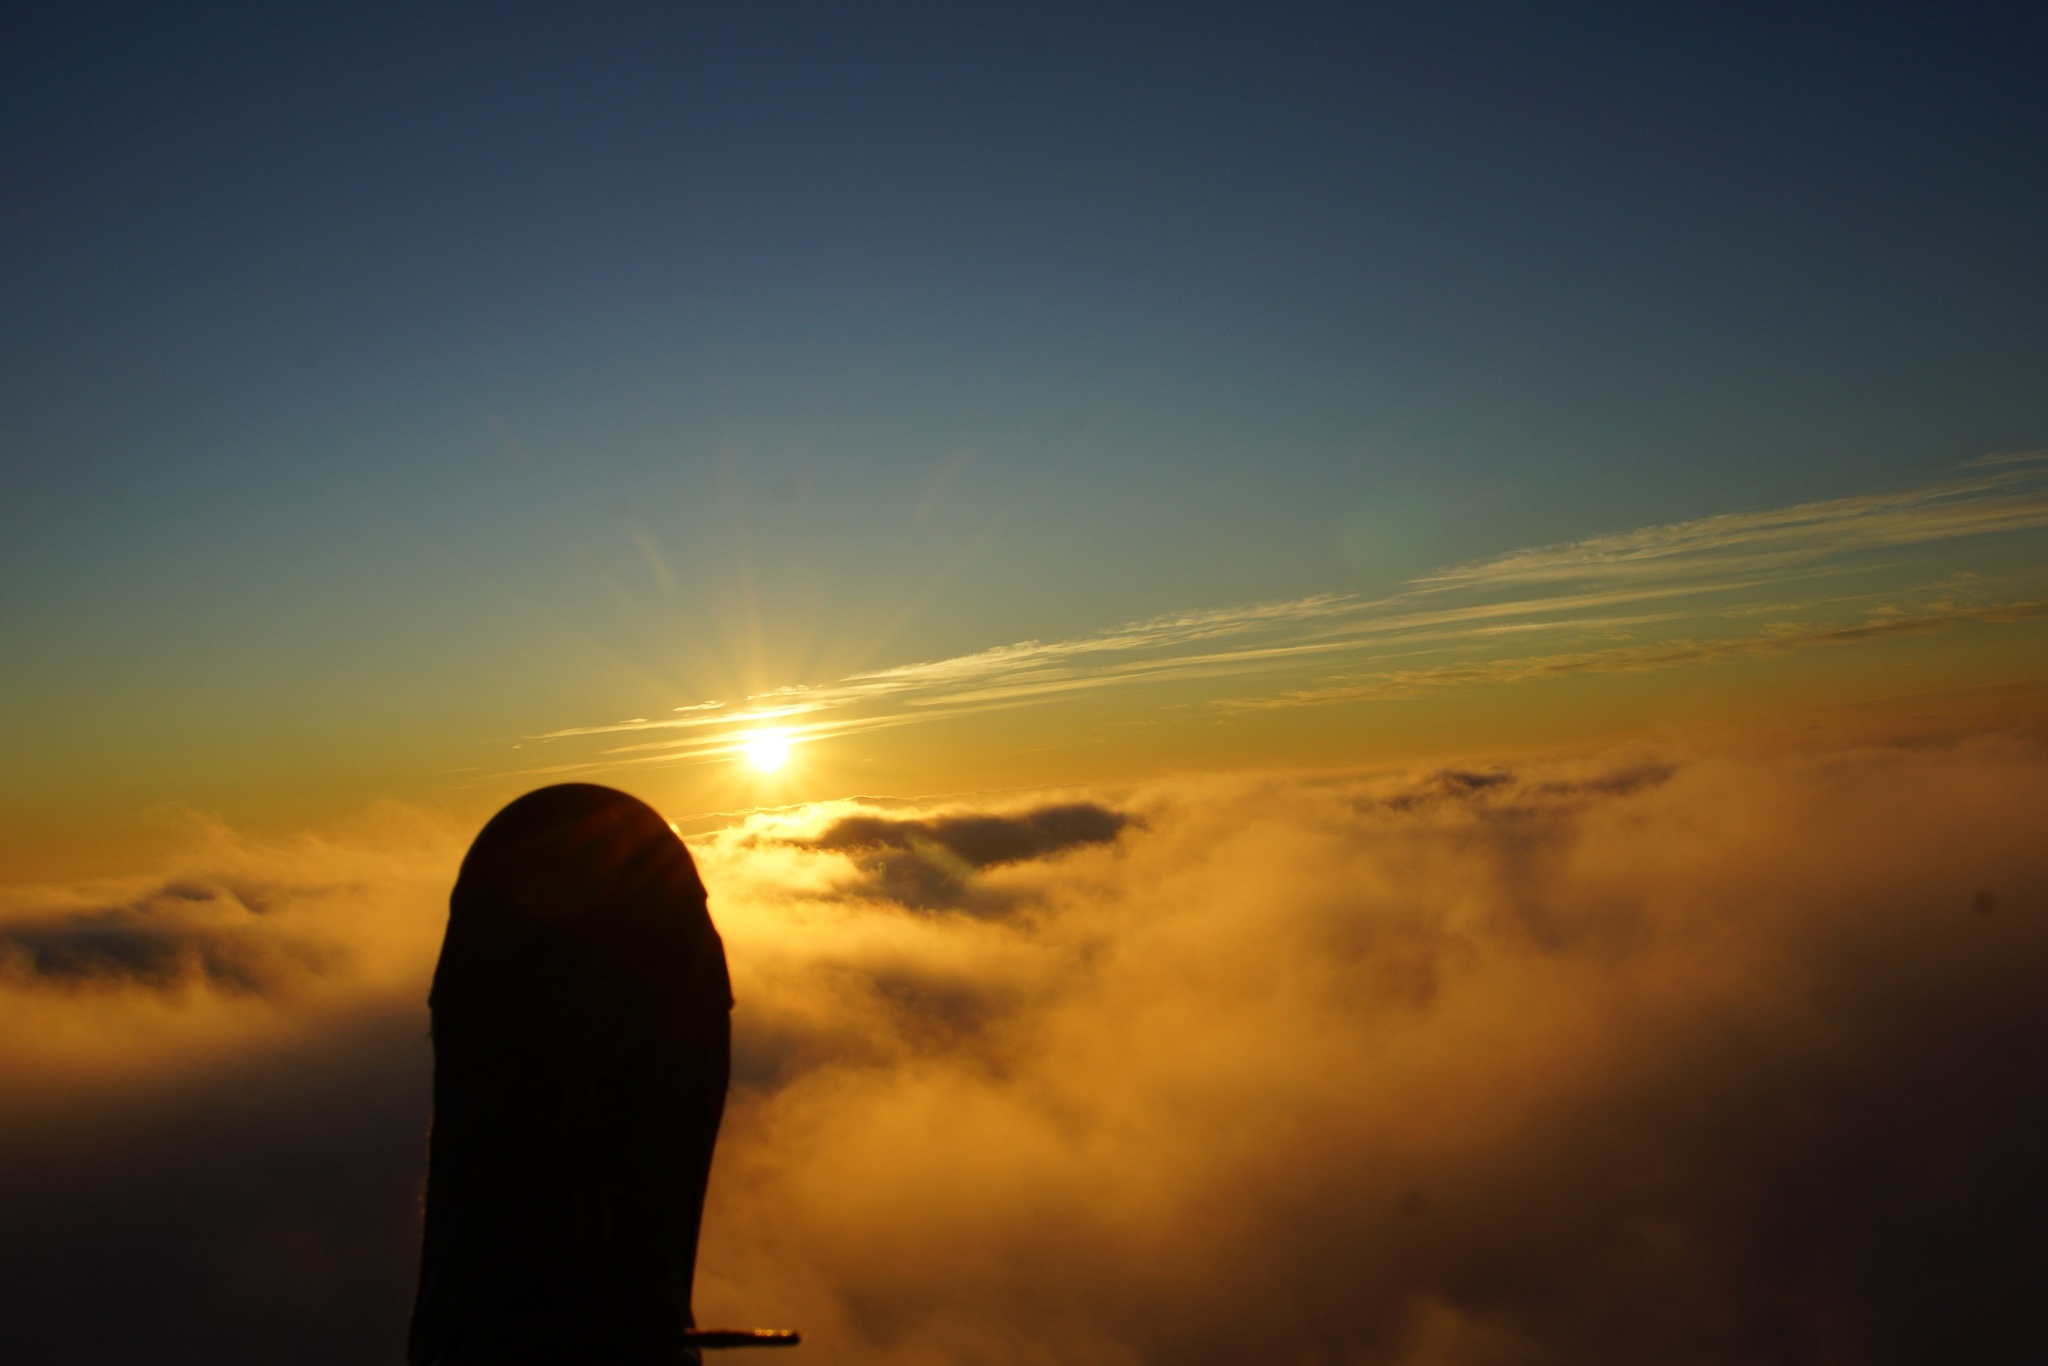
point(381, 383)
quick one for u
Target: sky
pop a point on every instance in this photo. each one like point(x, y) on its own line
point(1543, 510)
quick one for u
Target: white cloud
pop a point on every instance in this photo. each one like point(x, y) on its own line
point(1663, 596)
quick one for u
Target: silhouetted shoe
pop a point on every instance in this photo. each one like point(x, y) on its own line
point(581, 1015)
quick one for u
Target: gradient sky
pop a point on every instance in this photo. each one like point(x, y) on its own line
point(385, 387)
point(1415, 640)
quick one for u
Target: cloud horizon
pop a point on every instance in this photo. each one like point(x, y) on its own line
point(1630, 1057)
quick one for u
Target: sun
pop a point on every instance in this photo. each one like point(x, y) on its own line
point(766, 750)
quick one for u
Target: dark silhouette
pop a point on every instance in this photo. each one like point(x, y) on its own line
point(582, 1040)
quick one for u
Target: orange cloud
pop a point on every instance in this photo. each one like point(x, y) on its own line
point(1645, 1059)
point(242, 945)
point(1609, 1064)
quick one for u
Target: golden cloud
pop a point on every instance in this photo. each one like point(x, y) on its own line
point(1614, 1063)
point(1634, 1059)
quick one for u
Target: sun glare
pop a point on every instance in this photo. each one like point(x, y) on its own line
point(766, 750)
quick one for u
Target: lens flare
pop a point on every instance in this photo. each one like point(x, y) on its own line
point(766, 750)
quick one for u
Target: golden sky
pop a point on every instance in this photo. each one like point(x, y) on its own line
point(1555, 956)
point(1724, 620)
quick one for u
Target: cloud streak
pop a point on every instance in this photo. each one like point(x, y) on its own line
point(1687, 594)
point(1638, 658)
point(2002, 494)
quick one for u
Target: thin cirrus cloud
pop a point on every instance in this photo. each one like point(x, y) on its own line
point(1635, 658)
point(1998, 493)
point(1734, 585)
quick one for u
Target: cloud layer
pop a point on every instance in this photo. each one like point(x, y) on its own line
point(1656, 1058)
point(1706, 1062)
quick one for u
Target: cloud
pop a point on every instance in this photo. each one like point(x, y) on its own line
point(216, 1098)
point(980, 841)
point(1638, 1060)
point(1648, 1057)
point(1999, 494)
point(929, 862)
point(242, 946)
point(175, 935)
point(1671, 596)
point(263, 1208)
point(1783, 639)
